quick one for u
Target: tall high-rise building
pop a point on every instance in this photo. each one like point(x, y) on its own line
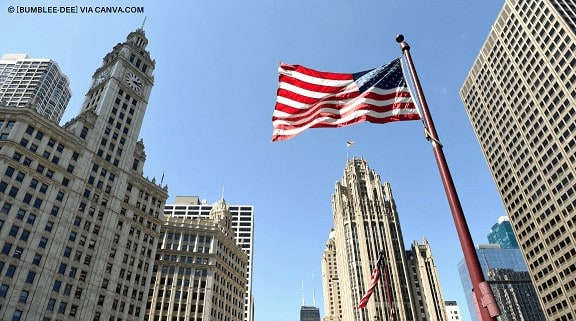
point(242, 224)
point(506, 273)
point(502, 234)
point(521, 101)
point(366, 224)
point(79, 223)
point(200, 270)
point(34, 83)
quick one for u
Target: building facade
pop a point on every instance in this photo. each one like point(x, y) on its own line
point(366, 223)
point(79, 224)
point(200, 270)
point(330, 281)
point(309, 313)
point(242, 224)
point(453, 311)
point(520, 98)
point(506, 273)
point(502, 234)
point(38, 84)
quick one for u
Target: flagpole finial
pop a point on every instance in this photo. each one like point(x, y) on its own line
point(403, 44)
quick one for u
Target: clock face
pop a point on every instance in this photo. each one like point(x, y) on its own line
point(133, 81)
point(102, 76)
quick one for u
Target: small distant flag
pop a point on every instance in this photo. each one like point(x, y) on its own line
point(307, 98)
point(350, 143)
point(375, 276)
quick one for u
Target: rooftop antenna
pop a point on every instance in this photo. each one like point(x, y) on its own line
point(313, 292)
point(143, 22)
point(222, 192)
point(303, 303)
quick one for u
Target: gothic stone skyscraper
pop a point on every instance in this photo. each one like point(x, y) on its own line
point(521, 101)
point(79, 224)
point(365, 223)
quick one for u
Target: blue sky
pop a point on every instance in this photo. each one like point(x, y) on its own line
point(208, 123)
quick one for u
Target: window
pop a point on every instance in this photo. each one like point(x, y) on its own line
point(37, 259)
point(34, 183)
point(31, 219)
point(17, 252)
point(24, 236)
point(37, 203)
point(62, 268)
point(10, 271)
point(43, 242)
point(13, 192)
point(56, 286)
point(23, 296)
point(30, 277)
point(6, 208)
point(9, 171)
point(51, 304)
point(17, 315)
point(6, 248)
point(48, 226)
point(3, 290)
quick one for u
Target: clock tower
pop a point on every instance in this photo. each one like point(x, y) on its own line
point(119, 96)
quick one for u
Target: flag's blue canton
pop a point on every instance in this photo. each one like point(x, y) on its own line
point(385, 77)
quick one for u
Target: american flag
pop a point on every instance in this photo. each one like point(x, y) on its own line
point(307, 98)
point(374, 280)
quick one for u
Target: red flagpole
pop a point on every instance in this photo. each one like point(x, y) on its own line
point(487, 308)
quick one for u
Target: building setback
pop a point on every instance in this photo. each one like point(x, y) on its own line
point(521, 101)
point(242, 225)
point(366, 223)
point(34, 83)
point(79, 224)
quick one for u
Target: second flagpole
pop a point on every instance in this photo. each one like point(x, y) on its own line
point(483, 297)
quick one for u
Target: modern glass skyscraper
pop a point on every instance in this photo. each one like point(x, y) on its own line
point(35, 83)
point(242, 224)
point(506, 272)
point(502, 234)
point(521, 101)
point(366, 223)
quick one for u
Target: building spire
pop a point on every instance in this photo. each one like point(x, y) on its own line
point(303, 302)
point(143, 22)
point(313, 292)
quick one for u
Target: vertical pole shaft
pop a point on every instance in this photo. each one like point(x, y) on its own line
point(481, 292)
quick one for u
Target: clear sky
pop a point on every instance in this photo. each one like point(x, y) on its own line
point(208, 123)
